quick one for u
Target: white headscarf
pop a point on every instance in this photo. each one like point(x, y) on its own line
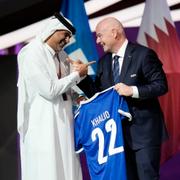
point(52, 25)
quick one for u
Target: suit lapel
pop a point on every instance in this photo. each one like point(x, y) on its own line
point(127, 61)
point(107, 67)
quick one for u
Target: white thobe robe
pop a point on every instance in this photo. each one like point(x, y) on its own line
point(45, 120)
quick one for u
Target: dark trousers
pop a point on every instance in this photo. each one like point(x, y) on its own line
point(143, 164)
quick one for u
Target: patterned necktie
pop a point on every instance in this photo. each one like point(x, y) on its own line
point(116, 74)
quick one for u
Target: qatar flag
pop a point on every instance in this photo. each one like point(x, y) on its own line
point(158, 32)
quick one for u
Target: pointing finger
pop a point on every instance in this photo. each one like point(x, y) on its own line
point(90, 63)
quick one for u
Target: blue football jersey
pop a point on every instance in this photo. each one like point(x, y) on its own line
point(98, 132)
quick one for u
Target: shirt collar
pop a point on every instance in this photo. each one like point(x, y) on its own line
point(122, 49)
point(50, 49)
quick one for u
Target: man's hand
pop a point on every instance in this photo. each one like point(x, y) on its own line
point(80, 67)
point(123, 89)
point(80, 98)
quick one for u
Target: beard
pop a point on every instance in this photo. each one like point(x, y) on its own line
point(62, 43)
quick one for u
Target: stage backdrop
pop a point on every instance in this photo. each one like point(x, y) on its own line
point(8, 133)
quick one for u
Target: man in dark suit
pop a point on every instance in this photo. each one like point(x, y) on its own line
point(141, 80)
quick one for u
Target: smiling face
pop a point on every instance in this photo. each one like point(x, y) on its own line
point(110, 35)
point(59, 39)
point(104, 37)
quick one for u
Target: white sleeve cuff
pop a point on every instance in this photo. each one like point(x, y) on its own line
point(75, 77)
point(135, 92)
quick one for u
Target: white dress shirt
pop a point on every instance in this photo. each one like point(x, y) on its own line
point(121, 54)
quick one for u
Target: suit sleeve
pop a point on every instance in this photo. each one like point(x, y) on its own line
point(91, 86)
point(154, 76)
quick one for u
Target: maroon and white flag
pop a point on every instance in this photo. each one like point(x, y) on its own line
point(158, 32)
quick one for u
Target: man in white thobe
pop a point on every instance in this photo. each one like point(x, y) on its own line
point(45, 119)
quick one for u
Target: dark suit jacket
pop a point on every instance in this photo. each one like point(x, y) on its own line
point(142, 68)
